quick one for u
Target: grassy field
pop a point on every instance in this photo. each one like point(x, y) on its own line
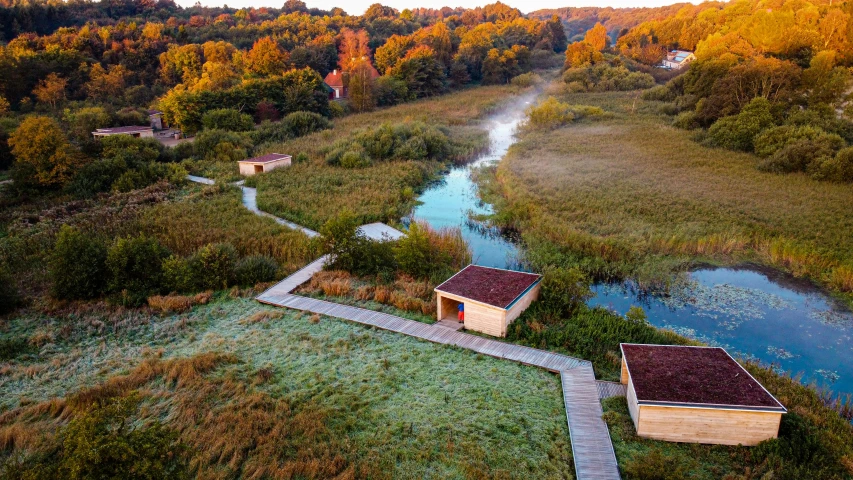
point(390, 406)
point(311, 193)
point(631, 196)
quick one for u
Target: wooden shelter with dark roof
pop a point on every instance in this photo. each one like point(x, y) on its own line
point(491, 298)
point(696, 395)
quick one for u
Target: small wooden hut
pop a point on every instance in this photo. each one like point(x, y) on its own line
point(491, 298)
point(264, 163)
point(696, 395)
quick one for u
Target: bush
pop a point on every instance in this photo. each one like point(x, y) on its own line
point(525, 80)
point(296, 124)
point(213, 266)
point(774, 139)
point(686, 120)
point(77, 265)
point(97, 177)
point(183, 151)
point(255, 269)
point(427, 253)
point(135, 266)
point(405, 141)
point(836, 169)
point(227, 119)
point(390, 90)
point(565, 289)
point(660, 93)
point(603, 77)
point(797, 157)
point(551, 113)
point(351, 251)
point(105, 442)
point(178, 275)
point(222, 145)
point(736, 132)
point(11, 348)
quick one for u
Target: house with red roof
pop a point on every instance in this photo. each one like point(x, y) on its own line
point(337, 82)
point(696, 395)
point(485, 299)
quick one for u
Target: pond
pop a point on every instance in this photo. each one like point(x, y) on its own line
point(755, 313)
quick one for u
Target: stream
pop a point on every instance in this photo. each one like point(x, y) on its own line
point(754, 312)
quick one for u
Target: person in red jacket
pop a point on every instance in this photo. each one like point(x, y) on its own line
point(461, 315)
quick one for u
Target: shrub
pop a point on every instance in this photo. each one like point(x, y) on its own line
point(183, 151)
point(97, 177)
point(227, 119)
point(135, 266)
point(565, 289)
point(132, 150)
point(222, 145)
point(660, 93)
point(105, 442)
point(255, 269)
point(797, 157)
point(178, 275)
point(686, 120)
point(412, 252)
point(525, 80)
point(736, 132)
point(774, 139)
point(426, 253)
point(213, 265)
point(836, 169)
point(77, 265)
point(11, 348)
point(390, 90)
point(147, 174)
point(603, 77)
point(551, 113)
point(351, 251)
point(655, 466)
point(296, 124)
point(405, 141)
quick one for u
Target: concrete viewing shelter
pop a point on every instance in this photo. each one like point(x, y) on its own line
point(492, 298)
point(264, 163)
point(133, 131)
point(696, 395)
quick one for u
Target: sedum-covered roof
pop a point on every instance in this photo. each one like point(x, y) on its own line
point(492, 286)
point(706, 376)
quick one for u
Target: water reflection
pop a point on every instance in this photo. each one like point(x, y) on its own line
point(755, 313)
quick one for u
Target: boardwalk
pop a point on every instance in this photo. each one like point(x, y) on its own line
point(610, 389)
point(591, 448)
point(250, 201)
point(593, 453)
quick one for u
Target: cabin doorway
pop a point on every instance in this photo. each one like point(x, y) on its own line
point(259, 169)
point(450, 309)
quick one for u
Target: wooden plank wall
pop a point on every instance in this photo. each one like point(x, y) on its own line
point(705, 425)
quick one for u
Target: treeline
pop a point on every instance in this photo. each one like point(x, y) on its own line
point(775, 82)
point(578, 20)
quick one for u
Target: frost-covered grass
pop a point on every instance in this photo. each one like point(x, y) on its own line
point(409, 408)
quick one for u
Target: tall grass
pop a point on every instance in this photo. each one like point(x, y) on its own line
point(631, 196)
point(313, 192)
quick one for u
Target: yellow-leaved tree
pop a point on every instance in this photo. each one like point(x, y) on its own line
point(43, 155)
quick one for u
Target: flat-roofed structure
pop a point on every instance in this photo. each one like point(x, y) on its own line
point(491, 298)
point(133, 131)
point(696, 395)
point(380, 232)
point(264, 163)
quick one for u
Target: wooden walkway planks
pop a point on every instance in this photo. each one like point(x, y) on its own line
point(591, 447)
point(610, 389)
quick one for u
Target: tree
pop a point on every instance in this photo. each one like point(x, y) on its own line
point(392, 51)
point(227, 119)
point(266, 58)
point(44, 157)
point(737, 132)
point(81, 123)
point(360, 86)
point(77, 265)
point(582, 54)
point(423, 74)
point(51, 90)
point(135, 268)
point(353, 47)
point(597, 38)
point(106, 84)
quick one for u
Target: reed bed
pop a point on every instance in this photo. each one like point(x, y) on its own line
point(630, 195)
point(311, 193)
